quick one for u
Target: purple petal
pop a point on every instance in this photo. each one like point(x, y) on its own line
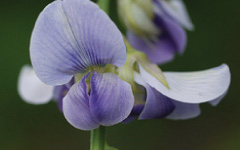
point(157, 105)
point(76, 107)
point(173, 32)
point(111, 99)
point(161, 50)
point(177, 11)
point(70, 36)
point(184, 111)
point(136, 111)
point(60, 92)
point(158, 52)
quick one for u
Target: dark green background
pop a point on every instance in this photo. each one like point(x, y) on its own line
point(215, 41)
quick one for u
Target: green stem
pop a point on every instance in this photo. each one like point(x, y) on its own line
point(98, 139)
point(104, 5)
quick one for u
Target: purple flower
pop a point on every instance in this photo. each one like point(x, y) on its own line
point(79, 56)
point(75, 39)
point(155, 27)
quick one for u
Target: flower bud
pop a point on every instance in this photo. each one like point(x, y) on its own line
point(138, 16)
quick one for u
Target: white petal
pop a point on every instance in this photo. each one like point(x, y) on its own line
point(192, 87)
point(31, 89)
point(218, 100)
point(184, 111)
point(177, 10)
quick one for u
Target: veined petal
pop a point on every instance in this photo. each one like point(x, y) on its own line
point(184, 111)
point(76, 107)
point(70, 36)
point(111, 99)
point(177, 10)
point(157, 105)
point(31, 89)
point(192, 87)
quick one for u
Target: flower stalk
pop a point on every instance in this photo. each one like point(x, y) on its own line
point(104, 5)
point(98, 139)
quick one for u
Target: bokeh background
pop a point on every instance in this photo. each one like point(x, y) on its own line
point(216, 40)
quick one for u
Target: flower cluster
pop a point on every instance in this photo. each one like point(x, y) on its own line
point(99, 78)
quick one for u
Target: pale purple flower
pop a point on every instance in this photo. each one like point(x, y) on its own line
point(186, 91)
point(159, 34)
point(76, 52)
point(75, 38)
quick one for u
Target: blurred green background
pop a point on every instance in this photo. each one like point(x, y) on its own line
point(215, 41)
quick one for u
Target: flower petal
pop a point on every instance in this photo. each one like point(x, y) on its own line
point(173, 33)
point(60, 92)
point(172, 39)
point(157, 105)
point(136, 111)
point(184, 111)
point(111, 99)
point(218, 100)
point(76, 107)
point(192, 87)
point(72, 35)
point(159, 52)
point(177, 10)
point(31, 89)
